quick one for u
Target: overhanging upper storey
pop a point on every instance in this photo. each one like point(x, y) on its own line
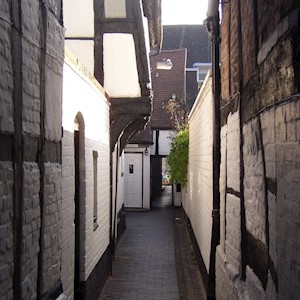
point(125, 33)
point(114, 39)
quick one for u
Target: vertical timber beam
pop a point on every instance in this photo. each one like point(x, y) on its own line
point(17, 58)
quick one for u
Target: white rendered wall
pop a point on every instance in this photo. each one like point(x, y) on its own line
point(79, 18)
point(83, 94)
point(164, 141)
point(84, 51)
point(200, 194)
point(120, 67)
point(115, 8)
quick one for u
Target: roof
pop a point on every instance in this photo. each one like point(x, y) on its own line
point(192, 37)
point(165, 83)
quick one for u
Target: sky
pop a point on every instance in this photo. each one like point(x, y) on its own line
point(183, 11)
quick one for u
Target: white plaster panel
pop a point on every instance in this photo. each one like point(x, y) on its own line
point(165, 141)
point(84, 51)
point(120, 66)
point(115, 8)
point(79, 18)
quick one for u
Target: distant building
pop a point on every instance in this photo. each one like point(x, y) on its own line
point(166, 84)
point(196, 40)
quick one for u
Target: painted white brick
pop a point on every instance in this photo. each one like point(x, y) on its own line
point(288, 201)
point(54, 68)
point(96, 131)
point(31, 89)
point(200, 170)
point(31, 18)
point(233, 231)
point(254, 181)
point(30, 230)
point(6, 83)
point(52, 221)
point(6, 229)
point(233, 151)
point(223, 184)
point(254, 288)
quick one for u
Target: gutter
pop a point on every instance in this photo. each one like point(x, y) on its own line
point(213, 28)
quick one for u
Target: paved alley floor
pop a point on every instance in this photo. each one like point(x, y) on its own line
point(146, 264)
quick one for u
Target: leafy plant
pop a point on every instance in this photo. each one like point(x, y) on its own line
point(177, 108)
point(178, 158)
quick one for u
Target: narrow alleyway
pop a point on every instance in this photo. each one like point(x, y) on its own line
point(154, 258)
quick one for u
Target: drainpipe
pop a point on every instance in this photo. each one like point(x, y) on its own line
point(213, 28)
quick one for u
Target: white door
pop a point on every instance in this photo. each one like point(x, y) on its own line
point(133, 180)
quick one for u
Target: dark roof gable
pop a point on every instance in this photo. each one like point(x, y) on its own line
point(192, 37)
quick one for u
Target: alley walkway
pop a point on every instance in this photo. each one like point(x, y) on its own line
point(147, 266)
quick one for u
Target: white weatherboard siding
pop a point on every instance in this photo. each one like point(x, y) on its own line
point(200, 194)
point(83, 95)
point(120, 67)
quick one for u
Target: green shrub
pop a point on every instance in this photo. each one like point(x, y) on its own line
point(178, 158)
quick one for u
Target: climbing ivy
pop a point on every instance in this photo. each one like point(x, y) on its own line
point(178, 158)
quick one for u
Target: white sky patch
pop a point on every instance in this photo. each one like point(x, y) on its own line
point(183, 11)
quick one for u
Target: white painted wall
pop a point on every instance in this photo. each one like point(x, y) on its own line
point(115, 8)
point(79, 18)
point(84, 51)
point(164, 140)
point(82, 93)
point(199, 197)
point(120, 67)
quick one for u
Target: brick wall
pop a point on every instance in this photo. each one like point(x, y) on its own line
point(6, 230)
point(26, 149)
point(200, 191)
point(259, 152)
point(84, 97)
